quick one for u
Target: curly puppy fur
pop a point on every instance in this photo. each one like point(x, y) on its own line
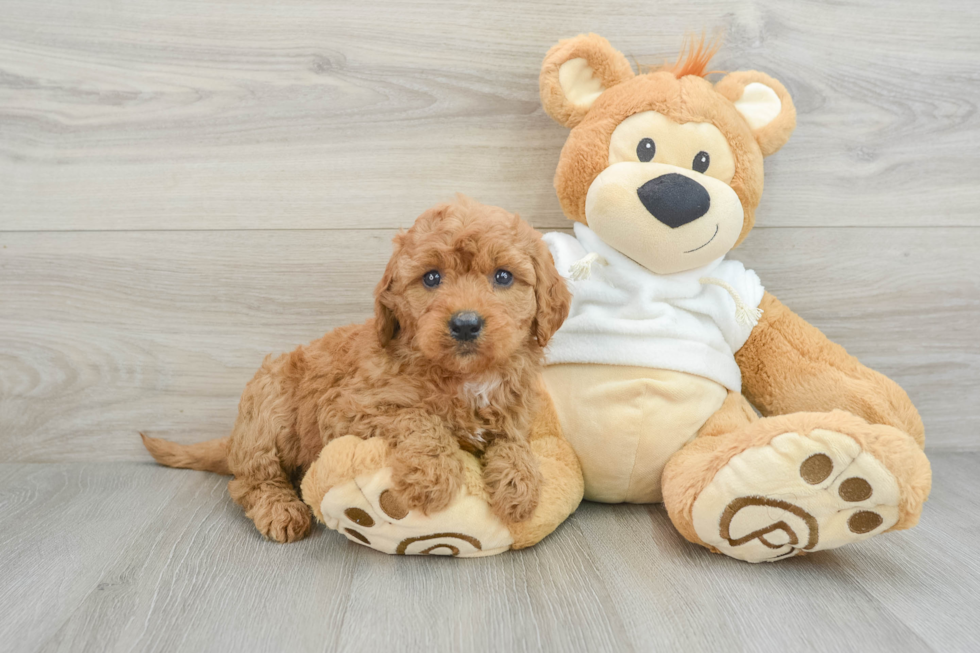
point(403, 377)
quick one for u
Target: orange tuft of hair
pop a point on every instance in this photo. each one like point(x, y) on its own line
point(694, 57)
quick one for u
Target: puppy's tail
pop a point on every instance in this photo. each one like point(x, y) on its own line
point(210, 456)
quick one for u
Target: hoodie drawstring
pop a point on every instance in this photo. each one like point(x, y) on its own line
point(582, 269)
point(744, 314)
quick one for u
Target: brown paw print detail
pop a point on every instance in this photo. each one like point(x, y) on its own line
point(864, 521)
point(357, 536)
point(818, 467)
point(793, 538)
point(855, 489)
point(453, 550)
point(359, 517)
point(392, 505)
point(814, 470)
point(434, 544)
point(799, 494)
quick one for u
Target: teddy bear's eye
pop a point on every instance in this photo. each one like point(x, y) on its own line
point(645, 150)
point(701, 161)
point(432, 278)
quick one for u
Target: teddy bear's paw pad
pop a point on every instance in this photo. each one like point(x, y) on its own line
point(368, 512)
point(796, 494)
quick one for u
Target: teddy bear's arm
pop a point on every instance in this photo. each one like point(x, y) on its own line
point(788, 365)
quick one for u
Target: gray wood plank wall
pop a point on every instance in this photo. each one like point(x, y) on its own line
point(187, 186)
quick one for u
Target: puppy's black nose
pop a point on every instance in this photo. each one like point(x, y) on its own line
point(674, 199)
point(465, 326)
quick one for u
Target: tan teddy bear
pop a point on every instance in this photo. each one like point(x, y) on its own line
point(668, 343)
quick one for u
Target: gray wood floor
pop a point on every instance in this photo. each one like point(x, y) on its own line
point(131, 556)
point(186, 186)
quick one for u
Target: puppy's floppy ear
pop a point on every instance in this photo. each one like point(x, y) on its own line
point(551, 293)
point(765, 105)
point(384, 316)
point(575, 72)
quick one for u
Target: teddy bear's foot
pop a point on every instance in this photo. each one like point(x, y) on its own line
point(797, 493)
point(368, 512)
point(351, 489)
point(813, 485)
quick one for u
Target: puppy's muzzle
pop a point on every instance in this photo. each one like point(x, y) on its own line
point(465, 326)
point(674, 199)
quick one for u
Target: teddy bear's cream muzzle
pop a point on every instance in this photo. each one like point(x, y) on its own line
point(666, 218)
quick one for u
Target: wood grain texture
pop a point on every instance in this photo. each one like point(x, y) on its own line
point(105, 334)
point(131, 556)
point(181, 114)
point(187, 186)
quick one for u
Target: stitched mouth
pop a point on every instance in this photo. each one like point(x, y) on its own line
point(706, 244)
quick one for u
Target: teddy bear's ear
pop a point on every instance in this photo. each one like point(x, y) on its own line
point(764, 104)
point(575, 72)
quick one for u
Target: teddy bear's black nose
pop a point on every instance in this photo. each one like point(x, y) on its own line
point(674, 199)
point(465, 326)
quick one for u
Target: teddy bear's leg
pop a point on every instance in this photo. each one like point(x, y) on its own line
point(348, 488)
point(771, 488)
point(790, 366)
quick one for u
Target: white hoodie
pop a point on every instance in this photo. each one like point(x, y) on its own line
point(624, 314)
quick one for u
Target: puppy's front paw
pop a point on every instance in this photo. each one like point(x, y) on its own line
point(514, 486)
point(428, 484)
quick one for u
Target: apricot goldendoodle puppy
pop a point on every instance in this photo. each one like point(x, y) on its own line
point(451, 359)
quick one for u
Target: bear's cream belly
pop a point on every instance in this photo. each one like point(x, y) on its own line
point(626, 422)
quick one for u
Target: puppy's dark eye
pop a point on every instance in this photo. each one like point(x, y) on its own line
point(701, 161)
point(503, 278)
point(645, 150)
point(431, 279)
